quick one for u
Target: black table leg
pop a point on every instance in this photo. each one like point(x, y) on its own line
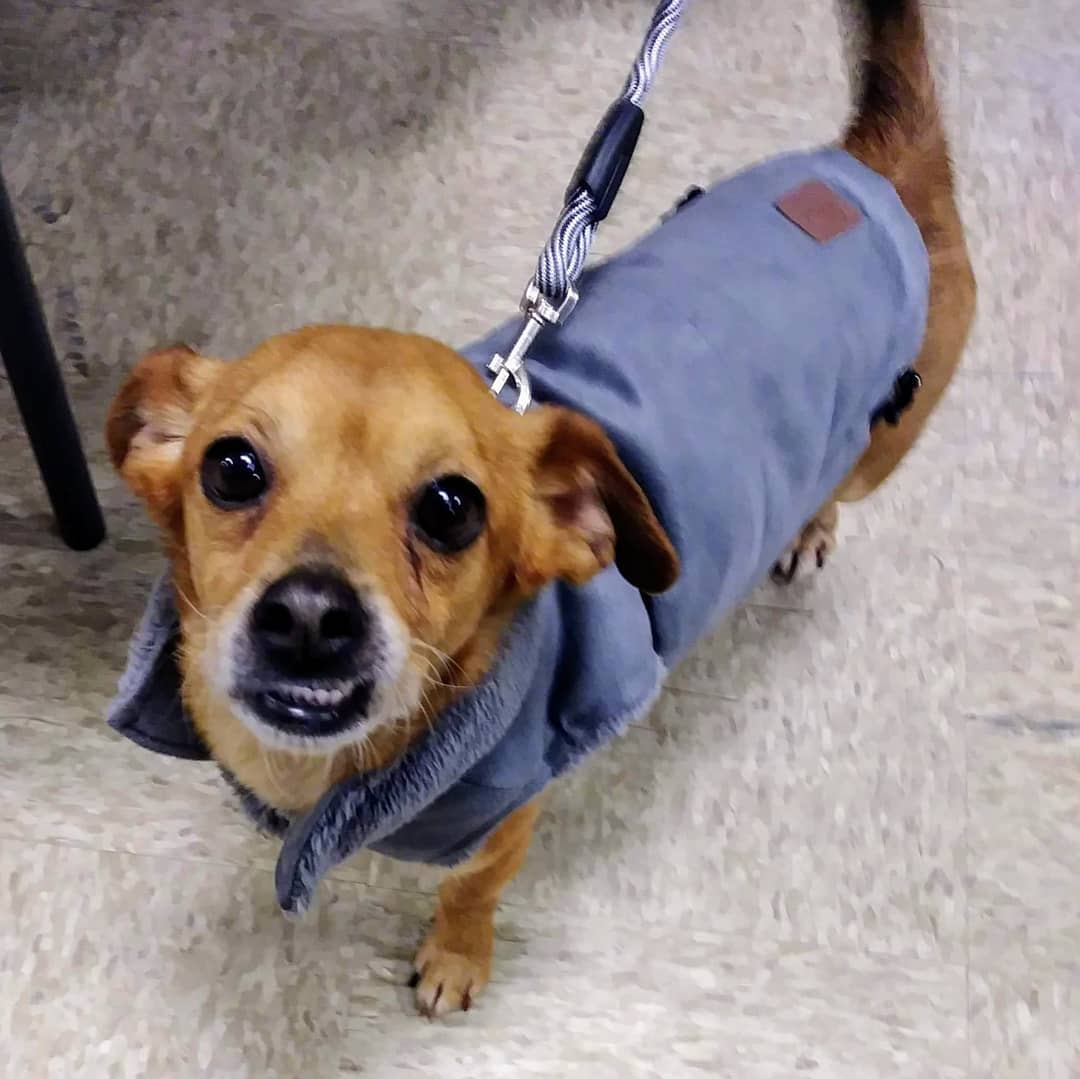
point(39, 392)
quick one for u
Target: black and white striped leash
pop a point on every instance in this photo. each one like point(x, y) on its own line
point(551, 295)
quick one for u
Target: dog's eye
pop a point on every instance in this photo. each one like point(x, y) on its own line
point(449, 513)
point(232, 474)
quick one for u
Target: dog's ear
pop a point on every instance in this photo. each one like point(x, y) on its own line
point(586, 510)
point(149, 421)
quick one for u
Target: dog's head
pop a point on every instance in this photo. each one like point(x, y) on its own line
point(352, 517)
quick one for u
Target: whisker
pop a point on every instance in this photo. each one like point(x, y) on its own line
point(190, 602)
point(434, 670)
point(439, 654)
point(433, 681)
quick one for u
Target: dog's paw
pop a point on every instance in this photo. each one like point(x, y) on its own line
point(447, 981)
point(808, 553)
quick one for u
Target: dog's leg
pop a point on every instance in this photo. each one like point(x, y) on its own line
point(454, 962)
point(936, 365)
point(815, 543)
point(888, 445)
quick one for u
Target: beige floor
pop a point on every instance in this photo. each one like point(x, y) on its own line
point(846, 844)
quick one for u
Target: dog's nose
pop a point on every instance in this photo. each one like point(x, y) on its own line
point(308, 620)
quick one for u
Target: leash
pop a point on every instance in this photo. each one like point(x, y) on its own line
point(551, 294)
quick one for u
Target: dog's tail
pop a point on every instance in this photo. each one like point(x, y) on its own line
point(897, 129)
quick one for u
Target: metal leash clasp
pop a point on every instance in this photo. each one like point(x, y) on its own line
point(539, 312)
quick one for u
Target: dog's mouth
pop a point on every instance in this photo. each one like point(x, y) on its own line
point(312, 711)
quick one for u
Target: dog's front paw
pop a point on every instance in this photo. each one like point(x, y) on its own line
point(809, 552)
point(449, 979)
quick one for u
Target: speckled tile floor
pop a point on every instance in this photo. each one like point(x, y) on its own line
point(846, 843)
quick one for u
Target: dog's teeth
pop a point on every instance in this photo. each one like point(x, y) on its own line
point(320, 698)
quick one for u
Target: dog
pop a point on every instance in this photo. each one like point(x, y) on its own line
point(359, 533)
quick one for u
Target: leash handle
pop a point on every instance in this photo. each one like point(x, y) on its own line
point(586, 205)
point(604, 163)
point(551, 294)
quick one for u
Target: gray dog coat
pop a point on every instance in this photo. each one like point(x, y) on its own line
point(737, 357)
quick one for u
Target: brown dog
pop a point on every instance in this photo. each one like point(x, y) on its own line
point(350, 448)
